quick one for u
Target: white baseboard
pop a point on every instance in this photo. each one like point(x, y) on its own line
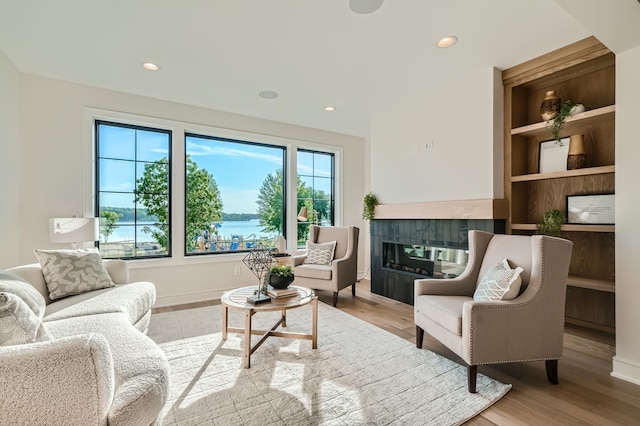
point(626, 370)
point(184, 298)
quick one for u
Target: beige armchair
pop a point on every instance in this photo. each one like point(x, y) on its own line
point(343, 269)
point(527, 328)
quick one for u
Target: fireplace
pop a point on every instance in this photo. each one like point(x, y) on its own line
point(403, 250)
point(424, 260)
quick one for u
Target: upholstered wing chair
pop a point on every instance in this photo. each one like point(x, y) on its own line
point(528, 327)
point(341, 271)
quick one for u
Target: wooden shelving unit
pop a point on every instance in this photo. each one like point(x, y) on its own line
point(583, 72)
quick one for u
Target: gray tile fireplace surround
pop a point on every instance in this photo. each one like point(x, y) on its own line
point(450, 233)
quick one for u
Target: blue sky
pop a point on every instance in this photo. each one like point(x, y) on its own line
point(239, 169)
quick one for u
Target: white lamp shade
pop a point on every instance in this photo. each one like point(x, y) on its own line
point(74, 229)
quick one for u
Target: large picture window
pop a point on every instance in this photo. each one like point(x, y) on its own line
point(234, 194)
point(316, 200)
point(133, 171)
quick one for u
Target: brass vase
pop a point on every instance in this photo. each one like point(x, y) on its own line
point(550, 106)
point(577, 157)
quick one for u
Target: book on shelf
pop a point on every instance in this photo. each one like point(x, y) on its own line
point(280, 293)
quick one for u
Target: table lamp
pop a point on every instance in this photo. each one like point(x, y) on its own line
point(74, 230)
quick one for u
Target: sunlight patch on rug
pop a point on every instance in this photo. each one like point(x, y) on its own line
point(360, 374)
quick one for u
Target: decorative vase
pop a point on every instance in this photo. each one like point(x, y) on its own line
point(577, 157)
point(550, 106)
point(279, 282)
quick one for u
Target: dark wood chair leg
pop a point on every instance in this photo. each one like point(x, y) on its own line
point(419, 337)
point(472, 373)
point(335, 298)
point(552, 370)
point(353, 289)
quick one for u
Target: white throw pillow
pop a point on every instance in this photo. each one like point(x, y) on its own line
point(500, 282)
point(18, 323)
point(69, 272)
point(320, 253)
point(12, 283)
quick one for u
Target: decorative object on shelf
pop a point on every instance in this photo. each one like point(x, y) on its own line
point(279, 276)
point(591, 209)
point(550, 106)
point(577, 156)
point(259, 261)
point(556, 124)
point(551, 223)
point(369, 207)
point(553, 156)
point(577, 109)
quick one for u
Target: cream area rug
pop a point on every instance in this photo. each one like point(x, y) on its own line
point(358, 375)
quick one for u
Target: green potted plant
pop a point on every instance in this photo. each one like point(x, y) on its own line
point(279, 276)
point(556, 124)
point(369, 207)
point(551, 223)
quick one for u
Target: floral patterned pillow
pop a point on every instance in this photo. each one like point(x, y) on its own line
point(69, 272)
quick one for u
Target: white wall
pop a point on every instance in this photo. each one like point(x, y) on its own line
point(459, 118)
point(53, 173)
point(9, 156)
point(626, 363)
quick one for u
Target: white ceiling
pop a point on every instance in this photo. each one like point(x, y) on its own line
point(220, 53)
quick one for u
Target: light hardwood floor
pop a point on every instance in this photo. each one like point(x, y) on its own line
point(586, 395)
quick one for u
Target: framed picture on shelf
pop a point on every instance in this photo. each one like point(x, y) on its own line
point(591, 209)
point(553, 156)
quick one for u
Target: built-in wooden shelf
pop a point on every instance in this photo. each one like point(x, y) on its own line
point(592, 283)
point(488, 208)
point(573, 123)
point(563, 174)
point(568, 227)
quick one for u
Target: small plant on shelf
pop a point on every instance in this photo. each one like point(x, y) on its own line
point(555, 125)
point(369, 207)
point(551, 223)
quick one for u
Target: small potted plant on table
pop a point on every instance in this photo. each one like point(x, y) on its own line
point(279, 276)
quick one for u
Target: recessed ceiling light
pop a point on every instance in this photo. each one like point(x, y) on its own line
point(268, 94)
point(364, 7)
point(447, 41)
point(150, 66)
point(329, 108)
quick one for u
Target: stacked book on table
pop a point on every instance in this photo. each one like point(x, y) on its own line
point(276, 293)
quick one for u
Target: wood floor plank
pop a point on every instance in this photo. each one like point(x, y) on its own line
point(587, 393)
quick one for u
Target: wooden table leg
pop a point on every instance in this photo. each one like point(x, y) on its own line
point(284, 318)
point(314, 323)
point(248, 313)
point(225, 321)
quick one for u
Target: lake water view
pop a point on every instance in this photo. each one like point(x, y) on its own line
point(244, 228)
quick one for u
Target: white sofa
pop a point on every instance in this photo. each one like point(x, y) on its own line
point(99, 368)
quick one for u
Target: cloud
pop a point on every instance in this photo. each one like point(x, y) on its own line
point(196, 149)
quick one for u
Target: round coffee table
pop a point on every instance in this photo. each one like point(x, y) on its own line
point(237, 299)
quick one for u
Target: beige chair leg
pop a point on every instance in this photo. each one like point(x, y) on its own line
point(335, 298)
point(472, 373)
